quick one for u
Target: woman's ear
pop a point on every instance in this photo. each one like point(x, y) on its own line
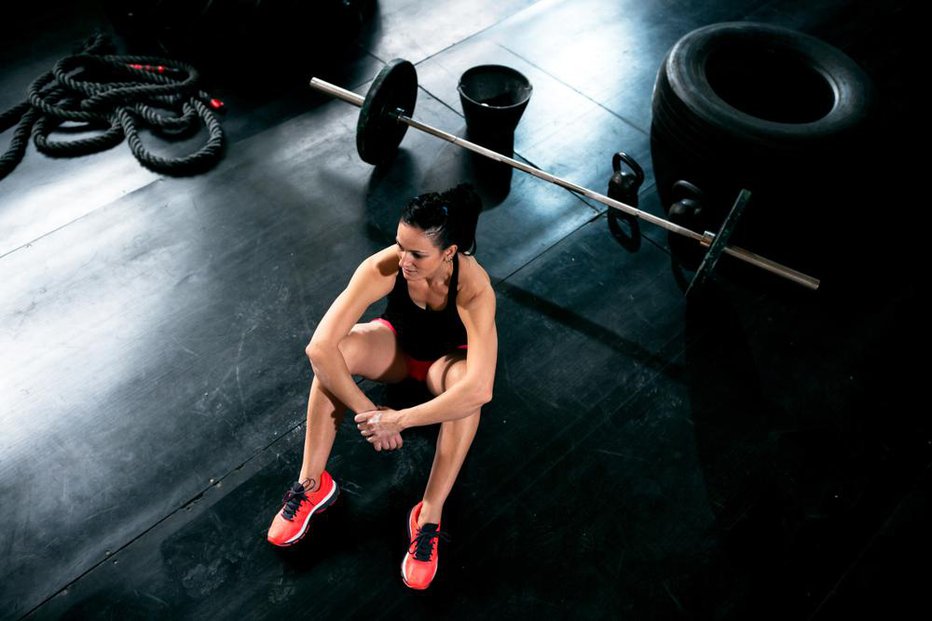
point(449, 252)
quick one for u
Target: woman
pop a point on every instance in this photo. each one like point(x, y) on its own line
point(439, 328)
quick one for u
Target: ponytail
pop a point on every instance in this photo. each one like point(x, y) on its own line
point(448, 217)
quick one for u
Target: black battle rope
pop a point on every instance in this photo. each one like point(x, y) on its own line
point(115, 93)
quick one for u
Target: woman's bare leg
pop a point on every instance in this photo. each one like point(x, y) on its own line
point(453, 441)
point(370, 350)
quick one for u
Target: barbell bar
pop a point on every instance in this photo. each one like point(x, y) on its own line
point(378, 113)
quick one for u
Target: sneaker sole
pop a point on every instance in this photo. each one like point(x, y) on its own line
point(320, 508)
point(415, 588)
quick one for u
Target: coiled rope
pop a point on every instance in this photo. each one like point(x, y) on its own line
point(118, 95)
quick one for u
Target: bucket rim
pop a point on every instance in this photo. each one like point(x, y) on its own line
point(486, 67)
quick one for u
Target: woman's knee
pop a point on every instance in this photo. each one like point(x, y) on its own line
point(349, 347)
point(354, 348)
point(370, 350)
point(446, 372)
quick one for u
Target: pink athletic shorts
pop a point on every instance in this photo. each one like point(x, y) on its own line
point(416, 368)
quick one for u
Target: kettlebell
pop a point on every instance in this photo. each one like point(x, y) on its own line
point(623, 187)
point(686, 211)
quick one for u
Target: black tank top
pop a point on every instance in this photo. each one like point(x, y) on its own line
point(425, 334)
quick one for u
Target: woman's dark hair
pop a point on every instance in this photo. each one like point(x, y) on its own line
point(446, 217)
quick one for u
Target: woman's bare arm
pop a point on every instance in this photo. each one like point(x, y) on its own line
point(372, 280)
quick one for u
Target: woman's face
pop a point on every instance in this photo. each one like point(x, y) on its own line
point(418, 256)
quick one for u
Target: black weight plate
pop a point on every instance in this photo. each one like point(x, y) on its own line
point(719, 243)
point(378, 134)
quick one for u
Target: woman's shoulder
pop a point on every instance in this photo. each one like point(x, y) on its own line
point(473, 280)
point(384, 262)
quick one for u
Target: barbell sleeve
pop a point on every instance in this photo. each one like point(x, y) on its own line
point(340, 93)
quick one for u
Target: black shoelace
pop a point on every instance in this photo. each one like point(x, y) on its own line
point(423, 543)
point(293, 499)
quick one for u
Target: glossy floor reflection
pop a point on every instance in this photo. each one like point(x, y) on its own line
point(753, 453)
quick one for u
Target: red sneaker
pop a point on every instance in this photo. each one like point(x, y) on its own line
point(290, 525)
point(420, 563)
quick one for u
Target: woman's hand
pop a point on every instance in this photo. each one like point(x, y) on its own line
point(380, 428)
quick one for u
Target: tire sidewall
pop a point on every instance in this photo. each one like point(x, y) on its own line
point(683, 89)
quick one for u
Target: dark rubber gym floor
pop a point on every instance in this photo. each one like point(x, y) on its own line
point(756, 452)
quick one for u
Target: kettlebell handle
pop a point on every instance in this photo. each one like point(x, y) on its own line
point(622, 189)
point(620, 157)
point(684, 189)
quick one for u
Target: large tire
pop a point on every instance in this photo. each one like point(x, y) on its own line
point(760, 107)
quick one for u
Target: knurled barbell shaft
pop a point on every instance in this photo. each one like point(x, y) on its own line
point(735, 251)
point(358, 100)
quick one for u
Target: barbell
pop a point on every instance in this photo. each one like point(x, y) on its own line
point(384, 119)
